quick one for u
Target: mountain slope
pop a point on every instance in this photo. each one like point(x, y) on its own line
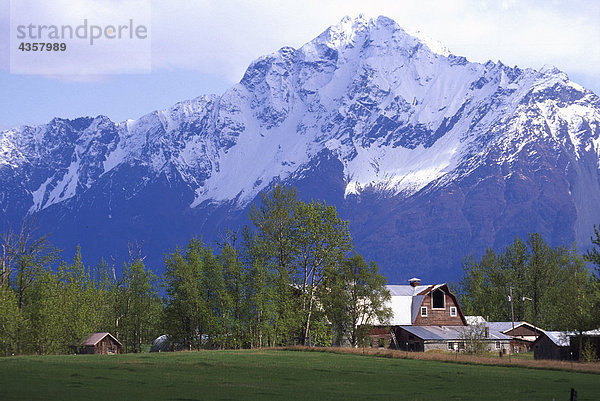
point(428, 155)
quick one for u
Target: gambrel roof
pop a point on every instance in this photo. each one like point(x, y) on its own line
point(406, 301)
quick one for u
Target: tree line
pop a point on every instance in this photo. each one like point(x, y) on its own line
point(290, 277)
point(551, 287)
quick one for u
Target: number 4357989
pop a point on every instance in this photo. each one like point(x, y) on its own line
point(42, 46)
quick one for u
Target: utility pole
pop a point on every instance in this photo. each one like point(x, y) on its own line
point(532, 307)
point(512, 312)
point(512, 309)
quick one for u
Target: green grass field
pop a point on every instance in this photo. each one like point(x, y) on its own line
point(272, 374)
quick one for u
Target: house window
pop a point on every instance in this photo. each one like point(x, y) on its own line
point(438, 299)
point(453, 311)
point(497, 344)
point(450, 346)
point(424, 311)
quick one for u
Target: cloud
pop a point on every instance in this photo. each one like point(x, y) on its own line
point(223, 37)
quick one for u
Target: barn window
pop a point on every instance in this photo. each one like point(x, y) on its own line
point(438, 299)
point(424, 311)
point(497, 344)
point(453, 311)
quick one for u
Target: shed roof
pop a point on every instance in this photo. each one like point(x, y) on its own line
point(563, 338)
point(95, 338)
point(560, 338)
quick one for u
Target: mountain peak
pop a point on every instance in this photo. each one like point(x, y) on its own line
point(350, 30)
point(353, 32)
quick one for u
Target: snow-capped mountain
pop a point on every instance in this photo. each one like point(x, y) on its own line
point(429, 156)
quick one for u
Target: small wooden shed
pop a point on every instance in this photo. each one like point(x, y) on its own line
point(100, 343)
point(553, 345)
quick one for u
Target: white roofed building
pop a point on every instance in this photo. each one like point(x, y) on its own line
point(426, 317)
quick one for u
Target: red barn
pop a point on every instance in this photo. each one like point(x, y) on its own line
point(428, 317)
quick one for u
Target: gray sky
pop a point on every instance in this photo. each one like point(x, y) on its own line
point(204, 46)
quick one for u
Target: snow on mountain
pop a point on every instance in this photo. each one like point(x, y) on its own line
point(401, 115)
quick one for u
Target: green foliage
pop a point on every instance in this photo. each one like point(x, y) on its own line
point(25, 257)
point(10, 321)
point(589, 353)
point(273, 243)
point(551, 287)
point(322, 239)
point(56, 310)
point(593, 255)
point(354, 298)
point(271, 290)
point(138, 306)
point(205, 303)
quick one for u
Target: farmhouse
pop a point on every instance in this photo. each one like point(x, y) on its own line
point(427, 317)
point(100, 343)
point(522, 334)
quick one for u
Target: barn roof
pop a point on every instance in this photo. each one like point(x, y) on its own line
point(503, 326)
point(95, 338)
point(447, 333)
point(406, 301)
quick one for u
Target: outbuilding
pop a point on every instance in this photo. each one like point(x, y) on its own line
point(100, 343)
point(563, 345)
point(449, 338)
point(523, 334)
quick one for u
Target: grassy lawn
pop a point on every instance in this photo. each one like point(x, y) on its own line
point(235, 375)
